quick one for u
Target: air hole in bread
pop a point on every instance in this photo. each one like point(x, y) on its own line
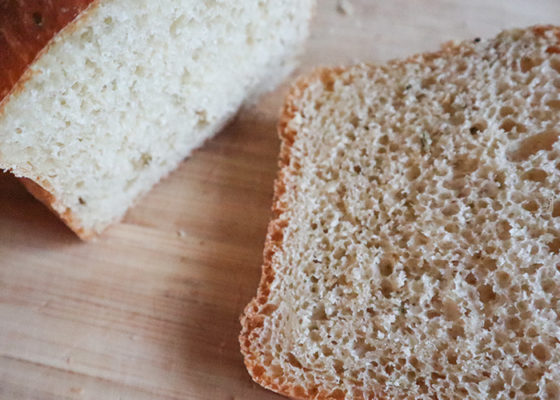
point(532, 332)
point(506, 110)
point(549, 286)
point(202, 119)
point(450, 210)
point(452, 228)
point(292, 359)
point(478, 127)
point(541, 353)
point(338, 367)
point(554, 104)
point(535, 175)
point(533, 144)
point(362, 347)
point(490, 189)
point(461, 67)
point(508, 125)
point(497, 205)
point(555, 64)
point(531, 205)
point(530, 388)
point(268, 309)
point(451, 310)
point(457, 119)
point(486, 294)
point(471, 279)
point(513, 324)
point(552, 391)
point(554, 245)
point(385, 267)
point(503, 230)
point(87, 35)
point(527, 63)
point(413, 172)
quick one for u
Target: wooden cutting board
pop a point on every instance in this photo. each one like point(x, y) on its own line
point(150, 310)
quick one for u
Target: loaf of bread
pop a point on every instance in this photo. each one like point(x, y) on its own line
point(414, 248)
point(99, 99)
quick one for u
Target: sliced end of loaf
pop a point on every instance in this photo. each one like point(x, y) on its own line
point(414, 248)
point(114, 112)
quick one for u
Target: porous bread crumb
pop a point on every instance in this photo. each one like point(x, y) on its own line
point(414, 252)
point(122, 96)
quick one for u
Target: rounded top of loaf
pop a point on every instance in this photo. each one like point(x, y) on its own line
point(26, 28)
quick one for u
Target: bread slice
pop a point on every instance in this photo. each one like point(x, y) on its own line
point(99, 99)
point(414, 249)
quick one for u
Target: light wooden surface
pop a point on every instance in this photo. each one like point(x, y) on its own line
point(150, 311)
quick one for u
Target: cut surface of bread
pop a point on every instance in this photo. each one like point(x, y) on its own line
point(126, 89)
point(414, 248)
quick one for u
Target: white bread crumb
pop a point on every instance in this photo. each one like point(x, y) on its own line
point(121, 98)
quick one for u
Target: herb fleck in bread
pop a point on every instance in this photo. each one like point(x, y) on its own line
point(414, 249)
point(99, 99)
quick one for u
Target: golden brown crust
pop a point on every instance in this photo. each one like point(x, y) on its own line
point(254, 313)
point(253, 318)
point(26, 28)
point(48, 199)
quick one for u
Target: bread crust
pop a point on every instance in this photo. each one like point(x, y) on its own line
point(253, 317)
point(48, 199)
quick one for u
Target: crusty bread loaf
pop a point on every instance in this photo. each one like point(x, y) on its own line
point(414, 249)
point(101, 98)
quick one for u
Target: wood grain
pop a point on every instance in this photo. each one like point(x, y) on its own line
point(150, 310)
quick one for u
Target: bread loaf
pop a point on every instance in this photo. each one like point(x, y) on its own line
point(414, 248)
point(99, 99)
